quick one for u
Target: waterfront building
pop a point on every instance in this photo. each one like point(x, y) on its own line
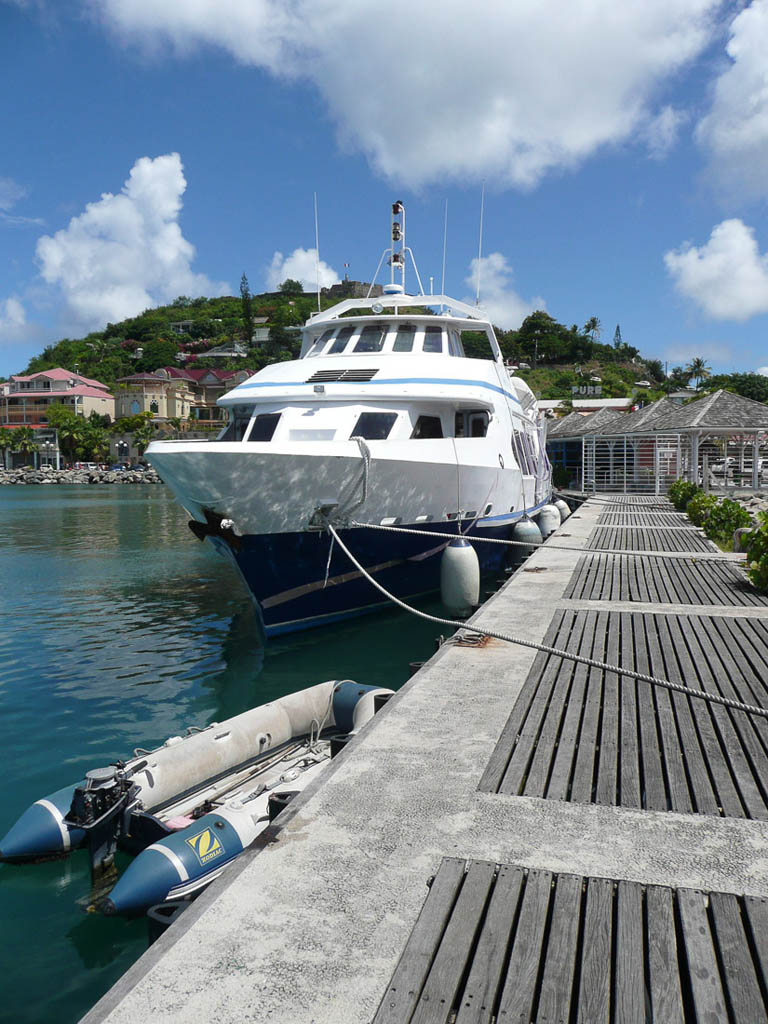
point(25, 401)
point(156, 393)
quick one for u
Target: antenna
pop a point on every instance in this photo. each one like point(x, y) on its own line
point(480, 244)
point(397, 259)
point(445, 246)
point(317, 256)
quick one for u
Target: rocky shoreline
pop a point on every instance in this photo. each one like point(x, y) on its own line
point(48, 475)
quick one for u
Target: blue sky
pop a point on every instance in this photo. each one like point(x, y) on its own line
point(152, 150)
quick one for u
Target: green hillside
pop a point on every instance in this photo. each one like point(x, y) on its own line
point(555, 358)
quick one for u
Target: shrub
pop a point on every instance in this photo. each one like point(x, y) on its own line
point(699, 508)
point(681, 492)
point(724, 518)
point(757, 552)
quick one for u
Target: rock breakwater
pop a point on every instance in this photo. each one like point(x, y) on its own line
point(48, 475)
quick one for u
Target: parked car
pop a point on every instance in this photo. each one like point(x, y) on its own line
point(87, 465)
point(726, 465)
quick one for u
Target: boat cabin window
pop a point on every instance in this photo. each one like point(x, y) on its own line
point(472, 423)
point(404, 338)
point(238, 424)
point(319, 343)
point(454, 344)
point(374, 426)
point(340, 342)
point(371, 339)
point(427, 427)
point(264, 427)
point(433, 340)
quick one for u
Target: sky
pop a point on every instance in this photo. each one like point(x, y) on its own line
point(151, 150)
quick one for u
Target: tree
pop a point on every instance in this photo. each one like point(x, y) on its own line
point(593, 327)
point(655, 369)
point(678, 377)
point(23, 441)
point(617, 342)
point(143, 437)
point(247, 307)
point(699, 369)
point(291, 287)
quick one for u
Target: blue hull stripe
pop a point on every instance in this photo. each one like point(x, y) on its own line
point(394, 380)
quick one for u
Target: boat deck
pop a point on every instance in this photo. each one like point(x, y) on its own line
point(518, 837)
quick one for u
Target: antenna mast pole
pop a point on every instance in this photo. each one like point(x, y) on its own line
point(317, 255)
point(398, 235)
point(480, 245)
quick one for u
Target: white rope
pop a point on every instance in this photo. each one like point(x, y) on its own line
point(712, 698)
point(694, 555)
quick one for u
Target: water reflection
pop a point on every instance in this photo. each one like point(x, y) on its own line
point(121, 629)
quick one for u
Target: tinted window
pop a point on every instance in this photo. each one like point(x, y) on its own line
point(341, 340)
point(238, 424)
point(319, 344)
point(427, 427)
point(478, 424)
point(264, 427)
point(374, 426)
point(371, 339)
point(404, 338)
point(433, 340)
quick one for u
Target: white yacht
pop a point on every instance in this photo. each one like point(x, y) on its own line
point(382, 420)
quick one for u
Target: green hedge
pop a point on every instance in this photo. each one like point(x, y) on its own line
point(681, 492)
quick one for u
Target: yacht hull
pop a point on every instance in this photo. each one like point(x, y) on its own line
point(298, 587)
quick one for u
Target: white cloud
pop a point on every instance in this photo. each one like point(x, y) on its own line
point(12, 317)
point(10, 193)
point(662, 132)
point(763, 370)
point(727, 277)
point(443, 89)
point(735, 131)
point(126, 252)
point(300, 266)
point(501, 303)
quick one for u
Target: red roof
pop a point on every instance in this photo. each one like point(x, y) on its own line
point(61, 374)
point(81, 392)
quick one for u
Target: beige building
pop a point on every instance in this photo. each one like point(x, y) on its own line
point(155, 393)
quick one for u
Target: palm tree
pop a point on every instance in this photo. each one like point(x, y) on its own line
point(593, 327)
point(699, 369)
point(23, 441)
point(143, 437)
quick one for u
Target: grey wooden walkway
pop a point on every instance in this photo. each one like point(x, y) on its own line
point(498, 943)
point(672, 581)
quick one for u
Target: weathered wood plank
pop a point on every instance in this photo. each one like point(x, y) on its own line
point(714, 755)
point(606, 790)
point(404, 989)
point(673, 761)
point(497, 765)
point(560, 957)
point(519, 990)
point(757, 915)
point(514, 780)
point(653, 783)
point(663, 967)
point(706, 986)
point(742, 986)
point(629, 986)
point(705, 798)
point(484, 981)
point(441, 986)
point(595, 981)
point(629, 774)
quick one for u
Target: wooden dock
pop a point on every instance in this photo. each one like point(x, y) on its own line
point(520, 837)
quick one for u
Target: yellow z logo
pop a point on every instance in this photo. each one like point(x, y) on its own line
point(206, 846)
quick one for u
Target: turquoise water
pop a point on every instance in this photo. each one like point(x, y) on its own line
point(119, 629)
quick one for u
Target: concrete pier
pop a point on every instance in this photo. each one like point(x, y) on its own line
point(311, 925)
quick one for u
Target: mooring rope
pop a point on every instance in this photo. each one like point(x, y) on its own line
point(686, 555)
point(618, 670)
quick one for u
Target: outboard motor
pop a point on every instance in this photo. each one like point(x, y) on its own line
point(101, 808)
